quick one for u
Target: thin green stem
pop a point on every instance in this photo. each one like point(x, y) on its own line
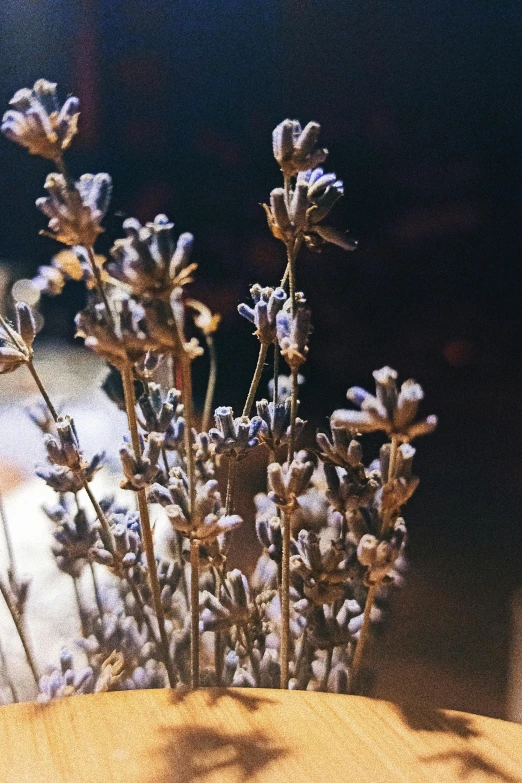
point(263, 350)
point(302, 664)
point(211, 386)
point(17, 620)
point(291, 277)
point(178, 550)
point(194, 611)
point(60, 163)
point(146, 529)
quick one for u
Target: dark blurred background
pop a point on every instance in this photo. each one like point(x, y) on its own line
point(420, 109)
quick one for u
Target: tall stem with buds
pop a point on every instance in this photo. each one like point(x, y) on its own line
point(292, 250)
point(188, 414)
point(146, 529)
point(364, 635)
point(105, 532)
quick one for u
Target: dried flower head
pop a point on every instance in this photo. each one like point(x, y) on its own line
point(323, 573)
point(166, 323)
point(149, 260)
point(267, 304)
point(298, 211)
point(37, 121)
point(292, 333)
point(209, 519)
point(276, 423)
point(390, 410)
point(119, 338)
point(234, 437)
point(288, 483)
point(75, 210)
point(16, 341)
point(140, 471)
point(294, 147)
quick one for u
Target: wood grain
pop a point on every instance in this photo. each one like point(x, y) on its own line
point(251, 735)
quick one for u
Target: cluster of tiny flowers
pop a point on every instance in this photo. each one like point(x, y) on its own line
point(330, 524)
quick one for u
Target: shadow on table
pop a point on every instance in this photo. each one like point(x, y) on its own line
point(197, 753)
point(469, 761)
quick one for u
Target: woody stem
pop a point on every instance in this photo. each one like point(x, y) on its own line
point(194, 612)
point(263, 350)
point(211, 386)
point(17, 620)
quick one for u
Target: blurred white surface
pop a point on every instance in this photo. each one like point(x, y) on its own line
point(72, 377)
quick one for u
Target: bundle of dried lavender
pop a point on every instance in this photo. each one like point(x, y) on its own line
point(331, 528)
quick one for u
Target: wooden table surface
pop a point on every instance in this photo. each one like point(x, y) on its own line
point(251, 735)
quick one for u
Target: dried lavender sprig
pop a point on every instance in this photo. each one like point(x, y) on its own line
point(17, 620)
point(130, 405)
point(292, 251)
point(107, 537)
point(372, 592)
